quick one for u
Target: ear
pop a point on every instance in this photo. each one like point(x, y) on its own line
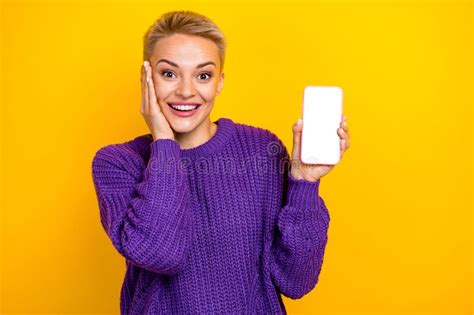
point(220, 85)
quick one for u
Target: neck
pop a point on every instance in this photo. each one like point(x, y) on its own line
point(201, 134)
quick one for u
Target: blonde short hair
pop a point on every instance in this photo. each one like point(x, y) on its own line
point(184, 22)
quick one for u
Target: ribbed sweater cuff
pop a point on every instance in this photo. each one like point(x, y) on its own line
point(302, 194)
point(165, 156)
point(164, 148)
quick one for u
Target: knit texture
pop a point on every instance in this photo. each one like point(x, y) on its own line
point(222, 228)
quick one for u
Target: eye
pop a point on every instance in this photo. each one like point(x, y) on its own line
point(206, 73)
point(200, 75)
point(166, 72)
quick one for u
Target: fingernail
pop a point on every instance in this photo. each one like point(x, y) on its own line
point(299, 122)
point(145, 63)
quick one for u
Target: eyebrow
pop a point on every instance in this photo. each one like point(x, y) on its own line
point(198, 66)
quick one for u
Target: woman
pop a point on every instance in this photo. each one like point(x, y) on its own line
point(211, 217)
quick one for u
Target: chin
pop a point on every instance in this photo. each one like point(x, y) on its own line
point(184, 125)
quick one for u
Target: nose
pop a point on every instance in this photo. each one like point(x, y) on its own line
point(186, 88)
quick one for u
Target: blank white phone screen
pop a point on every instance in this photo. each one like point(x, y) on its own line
point(322, 113)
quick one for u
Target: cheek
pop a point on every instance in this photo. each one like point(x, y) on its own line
point(209, 92)
point(162, 90)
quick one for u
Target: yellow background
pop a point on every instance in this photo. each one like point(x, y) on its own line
point(400, 239)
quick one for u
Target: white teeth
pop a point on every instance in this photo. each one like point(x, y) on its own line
point(184, 107)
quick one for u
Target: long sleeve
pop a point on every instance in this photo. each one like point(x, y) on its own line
point(145, 213)
point(300, 234)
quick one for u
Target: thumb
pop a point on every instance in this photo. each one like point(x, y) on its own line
point(297, 128)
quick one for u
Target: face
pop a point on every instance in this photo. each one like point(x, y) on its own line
point(186, 69)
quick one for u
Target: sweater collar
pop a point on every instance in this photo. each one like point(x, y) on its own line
point(225, 130)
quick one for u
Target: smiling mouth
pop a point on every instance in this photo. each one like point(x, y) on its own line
point(184, 108)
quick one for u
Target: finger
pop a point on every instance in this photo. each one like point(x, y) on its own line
point(296, 138)
point(297, 128)
point(341, 133)
point(343, 122)
point(143, 89)
point(147, 89)
point(343, 119)
point(346, 127)
point(152, 99)
point(345, 139)
point(147, 85)
point(342, 148)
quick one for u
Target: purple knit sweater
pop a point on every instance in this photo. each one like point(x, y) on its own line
point(221, 228)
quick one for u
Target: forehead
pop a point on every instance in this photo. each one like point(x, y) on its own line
point(186, 49)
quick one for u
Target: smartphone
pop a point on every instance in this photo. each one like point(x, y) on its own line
point(322, 114)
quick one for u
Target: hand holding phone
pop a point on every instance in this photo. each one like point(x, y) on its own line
point(322, 112)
